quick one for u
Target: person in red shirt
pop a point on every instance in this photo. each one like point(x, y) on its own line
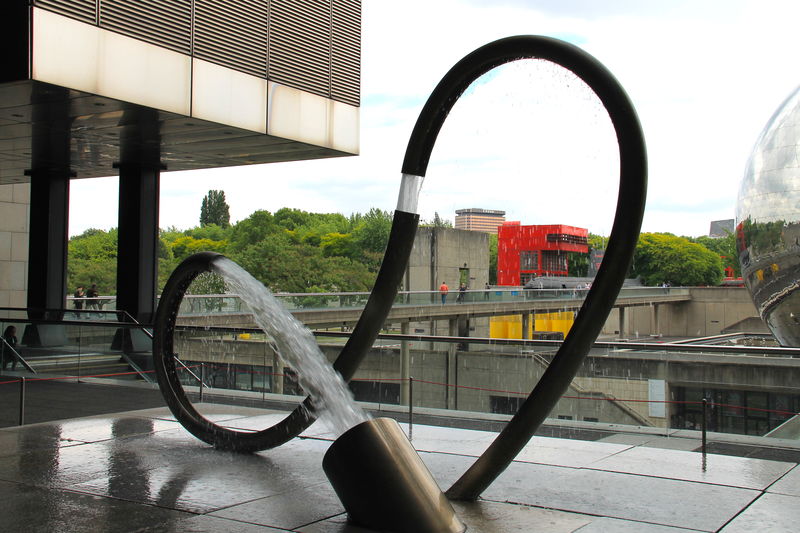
point(443, 290)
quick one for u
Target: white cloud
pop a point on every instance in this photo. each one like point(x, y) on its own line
point(703, 76)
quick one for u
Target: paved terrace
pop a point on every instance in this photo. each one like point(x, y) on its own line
point(140, 471)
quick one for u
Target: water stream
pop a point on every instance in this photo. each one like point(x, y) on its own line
point(297, 346)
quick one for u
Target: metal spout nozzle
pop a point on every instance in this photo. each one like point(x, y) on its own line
point(384, 485)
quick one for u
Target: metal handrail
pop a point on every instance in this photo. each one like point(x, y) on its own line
point(127, 321)
point(667, 347)
point(17, 354)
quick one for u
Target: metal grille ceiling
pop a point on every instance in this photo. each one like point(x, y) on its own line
point(313, 45)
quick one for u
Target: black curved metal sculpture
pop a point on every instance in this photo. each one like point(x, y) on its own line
point(587, 325)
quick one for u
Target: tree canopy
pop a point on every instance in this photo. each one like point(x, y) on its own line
point(290, 251)
point(665, 258)
point(214, 210)
point(725, 247)
point(296, 251)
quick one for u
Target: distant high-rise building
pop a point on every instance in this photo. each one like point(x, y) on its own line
point(720, 228)
point(475, 219)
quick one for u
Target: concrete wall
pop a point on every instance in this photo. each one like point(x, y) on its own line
point(439, 253)
point(612, 387)
point(710, 310)
point(436, 257)
point(14, 216)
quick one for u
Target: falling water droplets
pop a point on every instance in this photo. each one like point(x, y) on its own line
point(297, 346)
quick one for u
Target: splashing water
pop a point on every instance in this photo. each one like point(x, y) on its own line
point(297, 346)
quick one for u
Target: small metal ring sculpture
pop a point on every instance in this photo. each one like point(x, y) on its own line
point(587, 325)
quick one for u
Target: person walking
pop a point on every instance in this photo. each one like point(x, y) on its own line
point(77, 301)
point(8, 349)
point(91, 297)
point(462, 290)
point(443, 290)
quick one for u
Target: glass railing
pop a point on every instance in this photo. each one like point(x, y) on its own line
point(75, 349)
point(663, 388)
point(231, 304)
point(656, 386)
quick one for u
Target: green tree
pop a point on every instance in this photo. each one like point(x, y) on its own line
point(577, 264)
point(437, 222)
point(185, 246)
point(252, 230)
point(725, 247)
point(92, 258)
point(663, 257)
point(372, 232)
point(209, 231)
point(214, 210)
point(339, 245)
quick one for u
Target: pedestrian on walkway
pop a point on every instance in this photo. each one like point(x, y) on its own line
point(77, 300)
point(443, 290)
point(8, 349)
point(92, 302)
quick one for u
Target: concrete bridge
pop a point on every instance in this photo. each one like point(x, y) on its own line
point(420, 307)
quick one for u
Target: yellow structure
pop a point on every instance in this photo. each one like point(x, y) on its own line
point(510, 326)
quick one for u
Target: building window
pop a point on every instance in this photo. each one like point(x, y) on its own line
point(554, 261)
point(529, 260)
point(567, 238)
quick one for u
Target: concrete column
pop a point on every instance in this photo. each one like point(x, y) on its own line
point(405, 366)
point(526, 321)
point(655, 327)
point(451, 394)
point(622, 333)
point(277, 373)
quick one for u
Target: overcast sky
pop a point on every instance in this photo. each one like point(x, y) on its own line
point(529, 138)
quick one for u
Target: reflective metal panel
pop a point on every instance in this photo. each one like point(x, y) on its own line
point(768, 223)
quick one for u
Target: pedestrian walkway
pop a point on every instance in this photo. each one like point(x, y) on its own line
point(140, 471)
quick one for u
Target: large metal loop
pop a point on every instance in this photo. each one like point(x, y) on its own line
point(589, 321)
point(621, 245)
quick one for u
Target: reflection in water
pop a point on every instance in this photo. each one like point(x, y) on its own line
point(768, 223)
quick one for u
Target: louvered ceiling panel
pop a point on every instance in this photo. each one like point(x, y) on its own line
point(346, 51)
point(299, 45)
point(166, 23)
point(232, 33)
point(83, 10)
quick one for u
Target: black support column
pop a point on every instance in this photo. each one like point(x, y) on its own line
point(49, 207)
point(50, 174)
point(47, 248)
point(139, 179)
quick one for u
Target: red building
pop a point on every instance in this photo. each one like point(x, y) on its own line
point(524, 252)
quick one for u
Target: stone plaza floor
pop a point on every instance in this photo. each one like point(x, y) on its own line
point(141, 471)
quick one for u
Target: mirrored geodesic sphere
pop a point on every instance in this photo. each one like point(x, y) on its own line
point(768, 223)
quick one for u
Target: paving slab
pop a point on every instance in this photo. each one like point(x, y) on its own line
point(566, 452)
point(788, 484)
point(637, 498)
point(140, 471)
point(691, 466)
point(775, 513)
